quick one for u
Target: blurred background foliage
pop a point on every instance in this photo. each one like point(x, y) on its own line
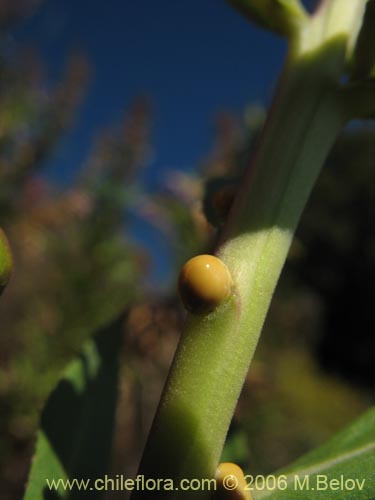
point(77, 266)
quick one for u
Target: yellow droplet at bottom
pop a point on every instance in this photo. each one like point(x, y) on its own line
point(231, 483)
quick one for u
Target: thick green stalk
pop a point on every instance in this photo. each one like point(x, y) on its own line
point(215, 350)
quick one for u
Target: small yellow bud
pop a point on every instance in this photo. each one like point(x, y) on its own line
point(204, 283)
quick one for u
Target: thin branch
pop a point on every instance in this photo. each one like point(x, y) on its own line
point(359, 99)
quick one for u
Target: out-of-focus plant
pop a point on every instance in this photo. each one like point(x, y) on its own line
point(32, 120)
point(69, 247)
point(71, 255)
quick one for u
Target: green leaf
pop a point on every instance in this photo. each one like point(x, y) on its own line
point(341, 469)
point(280, 16)
point(363, 63)
point(6, 262)
point(75, 438)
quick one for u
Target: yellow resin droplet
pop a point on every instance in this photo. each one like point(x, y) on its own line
point(231, 483)
point(204, 283)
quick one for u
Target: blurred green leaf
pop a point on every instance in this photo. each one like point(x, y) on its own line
point(5, 261)
point(75, 437)
point(342, 469)
point(280, 16)
point(364, 54)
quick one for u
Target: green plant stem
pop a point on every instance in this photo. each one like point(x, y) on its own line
point(360, 98)
point(215, 350)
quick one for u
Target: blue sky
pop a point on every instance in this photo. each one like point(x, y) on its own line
point(192, 58)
